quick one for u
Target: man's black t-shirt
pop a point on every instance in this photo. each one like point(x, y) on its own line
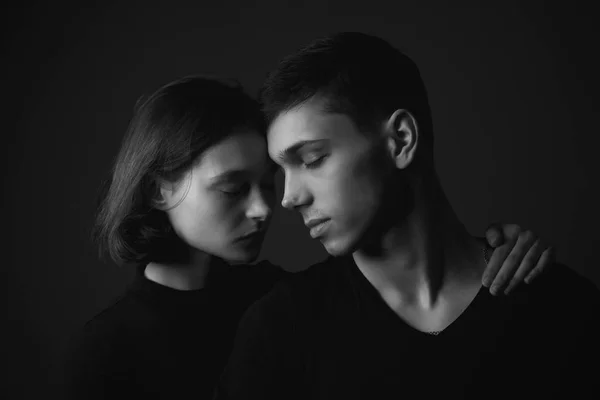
point(157, 342)
point(326, 333)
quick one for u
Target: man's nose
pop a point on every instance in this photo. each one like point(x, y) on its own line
point(294, 194)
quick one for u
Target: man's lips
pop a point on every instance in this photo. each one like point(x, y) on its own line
point(314, 222)
point(317, 226)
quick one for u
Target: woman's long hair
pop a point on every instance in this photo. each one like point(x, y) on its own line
point(168, 133)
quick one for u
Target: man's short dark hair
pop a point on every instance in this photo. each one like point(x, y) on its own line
point(358, 75)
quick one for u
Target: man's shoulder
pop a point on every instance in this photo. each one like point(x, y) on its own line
point(561, 294)
point(297, 293)
point(257, 278)
point(566, 306)
point(319, 278)
point(565, 281)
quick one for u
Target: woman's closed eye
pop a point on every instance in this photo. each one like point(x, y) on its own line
point(233, 190)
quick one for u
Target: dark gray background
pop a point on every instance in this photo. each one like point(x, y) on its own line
point(513, 89)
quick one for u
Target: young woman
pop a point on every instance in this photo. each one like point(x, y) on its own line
point(190, 199)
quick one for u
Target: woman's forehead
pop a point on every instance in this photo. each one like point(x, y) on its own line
point(246, 150)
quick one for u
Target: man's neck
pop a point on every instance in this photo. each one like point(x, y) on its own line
point(425, 253)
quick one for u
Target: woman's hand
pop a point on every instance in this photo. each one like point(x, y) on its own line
point(519, 255)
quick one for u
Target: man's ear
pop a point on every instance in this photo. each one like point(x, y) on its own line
point(402, 137)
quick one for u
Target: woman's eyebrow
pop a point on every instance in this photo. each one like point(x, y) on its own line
point(230, 175)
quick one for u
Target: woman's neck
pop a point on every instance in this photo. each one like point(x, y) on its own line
point(183, 276)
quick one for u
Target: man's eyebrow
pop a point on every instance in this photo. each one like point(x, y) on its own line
point(291, 150)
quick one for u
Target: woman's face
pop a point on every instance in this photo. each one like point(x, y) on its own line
point(222, 205)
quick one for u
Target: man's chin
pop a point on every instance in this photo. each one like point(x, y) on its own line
point(337, 248)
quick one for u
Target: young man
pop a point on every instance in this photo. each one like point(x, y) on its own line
point(400, 309)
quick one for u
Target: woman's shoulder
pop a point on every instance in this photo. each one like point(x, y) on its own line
point(112, 320)
point(121, 317)
point(103, 347)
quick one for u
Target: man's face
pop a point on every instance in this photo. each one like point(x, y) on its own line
point(334, 174)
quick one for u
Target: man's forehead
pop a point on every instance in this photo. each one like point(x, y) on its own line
point(306, 122)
